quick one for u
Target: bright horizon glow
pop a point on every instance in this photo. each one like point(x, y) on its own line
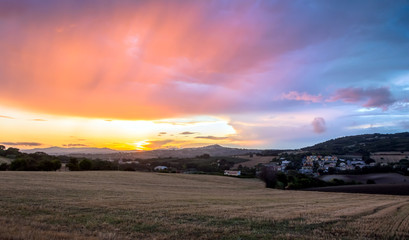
point(42, 130)
point(139, 75)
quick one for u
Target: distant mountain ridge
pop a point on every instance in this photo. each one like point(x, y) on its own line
point(106, 153)
point(344, 145)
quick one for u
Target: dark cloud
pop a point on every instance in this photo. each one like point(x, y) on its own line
point(30, 144)
point(372, 97)
point(318, 125)
point(212, 137)
point(2, 116)
point(187, 133)
point(75, 145)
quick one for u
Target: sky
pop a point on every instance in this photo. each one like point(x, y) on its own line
point(141, 75)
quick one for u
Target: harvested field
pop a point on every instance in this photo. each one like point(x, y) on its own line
point(134, 205)
point(389, 156)
point(253, 161)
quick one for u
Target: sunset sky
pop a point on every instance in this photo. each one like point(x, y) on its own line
point(162, 74)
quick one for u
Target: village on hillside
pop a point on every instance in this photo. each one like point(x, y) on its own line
point(317, 165)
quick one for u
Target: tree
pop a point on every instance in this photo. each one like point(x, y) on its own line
point(57, 164)
point(50, 165)
point(12, 152)
point(269, 177)
point(2, 150)
point(85, 164)
point(18, 165)
point(72, 165)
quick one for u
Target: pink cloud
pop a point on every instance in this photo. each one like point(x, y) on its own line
point(130, 61)
point(318, 125)
point(371, 97)
point(294, 95)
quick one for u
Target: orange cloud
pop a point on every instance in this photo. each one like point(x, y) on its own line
point(128, 61)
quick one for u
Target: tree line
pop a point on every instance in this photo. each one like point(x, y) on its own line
point(38, 161)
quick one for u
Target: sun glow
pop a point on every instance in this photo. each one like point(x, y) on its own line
point(142, 145)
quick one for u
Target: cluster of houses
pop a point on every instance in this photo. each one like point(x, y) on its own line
point(315, 164)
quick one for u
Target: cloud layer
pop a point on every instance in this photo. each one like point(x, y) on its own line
point(143, 60)
point(247, 62)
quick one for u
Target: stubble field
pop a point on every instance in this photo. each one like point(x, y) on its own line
point(134, 205)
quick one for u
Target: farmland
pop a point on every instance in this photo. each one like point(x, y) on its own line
point(253, 160)
point(136, 205)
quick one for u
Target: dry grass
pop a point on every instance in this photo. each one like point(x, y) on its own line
point(254, 161)
point(389, 157)
point(126, 205)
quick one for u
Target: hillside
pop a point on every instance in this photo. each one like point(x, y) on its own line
point(363, 144)
point(212, 150)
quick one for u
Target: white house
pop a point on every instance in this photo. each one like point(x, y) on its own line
point(160, 168)
point(232, 173)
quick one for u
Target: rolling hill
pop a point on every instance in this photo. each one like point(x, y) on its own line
point(363, 143)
